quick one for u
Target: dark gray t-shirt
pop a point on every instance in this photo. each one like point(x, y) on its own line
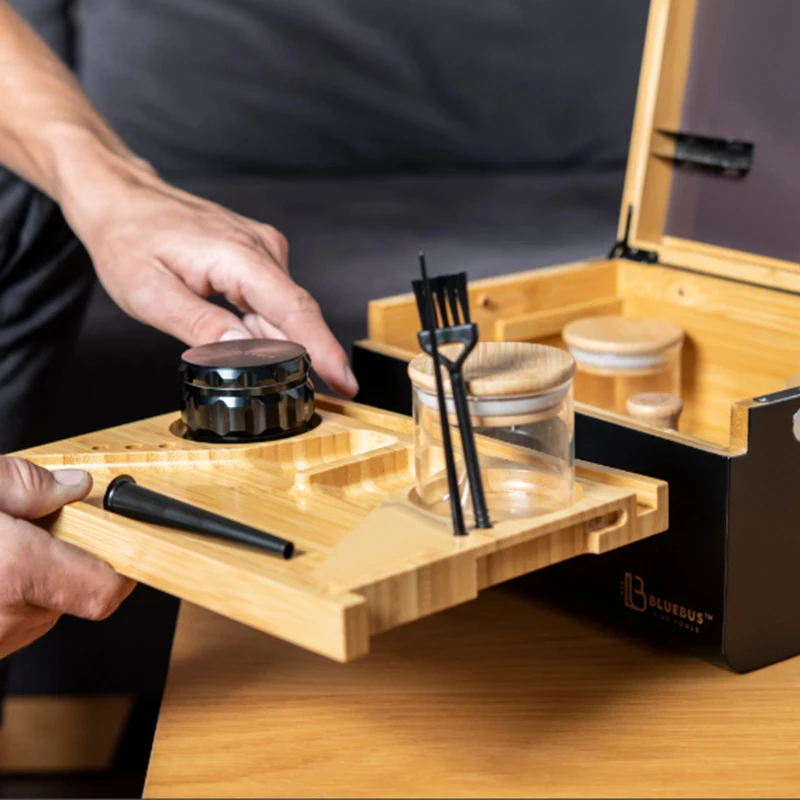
point(252, 85)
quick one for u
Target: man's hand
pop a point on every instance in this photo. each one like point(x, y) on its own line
point(158, 251)
point(42, 578)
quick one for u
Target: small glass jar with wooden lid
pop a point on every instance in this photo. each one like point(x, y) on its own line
point(521, 407)
point(621, 357)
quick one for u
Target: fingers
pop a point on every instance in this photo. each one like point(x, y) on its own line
point(248, 264)
point(42, 578)
point(30, 492)
point(276, 298)
point(38, 570)
point(276, 243)
point(260, 328)
point(168, 304)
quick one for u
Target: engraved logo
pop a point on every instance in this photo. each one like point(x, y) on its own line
point(635, 596)
point(637, 599)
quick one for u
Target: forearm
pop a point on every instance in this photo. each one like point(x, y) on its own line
point(158, 251)
point(50, 134)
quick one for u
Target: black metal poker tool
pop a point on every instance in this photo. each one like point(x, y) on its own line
point(450, 292)
point(427, 314)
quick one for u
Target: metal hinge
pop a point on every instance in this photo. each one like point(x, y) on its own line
point(729, 156)
point(622, 249)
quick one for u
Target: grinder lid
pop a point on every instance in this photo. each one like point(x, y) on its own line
point(245, 363)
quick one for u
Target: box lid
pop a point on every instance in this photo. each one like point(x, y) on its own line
point(713, 177)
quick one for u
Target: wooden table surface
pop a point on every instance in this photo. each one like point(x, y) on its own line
point(499, 697)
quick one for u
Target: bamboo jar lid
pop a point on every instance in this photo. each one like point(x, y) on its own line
point(500, 369)
point(508, 383)
point(622, 342)
point(660, 409)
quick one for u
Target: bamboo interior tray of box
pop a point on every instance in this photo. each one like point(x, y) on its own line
point(693, 244)
point(367, 558)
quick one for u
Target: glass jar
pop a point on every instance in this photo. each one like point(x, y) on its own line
point(620, 357)
point(521, 407)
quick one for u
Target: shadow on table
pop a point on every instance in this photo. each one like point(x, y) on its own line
point(523, 668)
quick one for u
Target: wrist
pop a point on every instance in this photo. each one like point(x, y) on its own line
point(91, 173)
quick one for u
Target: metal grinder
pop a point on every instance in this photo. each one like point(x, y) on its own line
point(246, 390)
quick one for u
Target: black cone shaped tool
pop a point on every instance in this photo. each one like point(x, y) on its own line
point(125, 497)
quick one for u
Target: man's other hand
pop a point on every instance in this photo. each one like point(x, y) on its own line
point(42, 578)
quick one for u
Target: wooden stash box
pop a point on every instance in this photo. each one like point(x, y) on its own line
point(709, 239)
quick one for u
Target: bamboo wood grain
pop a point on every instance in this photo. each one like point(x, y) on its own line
point(368, 558)
point(751, 268)
point(395, 320)
point(665, 68)
point(502, 697)
point(550, 322)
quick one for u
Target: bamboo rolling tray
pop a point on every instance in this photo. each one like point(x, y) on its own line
point(368, 559)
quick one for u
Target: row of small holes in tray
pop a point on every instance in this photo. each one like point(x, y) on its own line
point(162, 446)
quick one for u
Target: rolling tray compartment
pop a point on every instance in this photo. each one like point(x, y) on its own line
point(366, 559)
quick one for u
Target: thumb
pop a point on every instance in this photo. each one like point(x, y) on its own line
point(28, 491)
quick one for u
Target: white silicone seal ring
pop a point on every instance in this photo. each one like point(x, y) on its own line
point(501, 406)
point(617, 361)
